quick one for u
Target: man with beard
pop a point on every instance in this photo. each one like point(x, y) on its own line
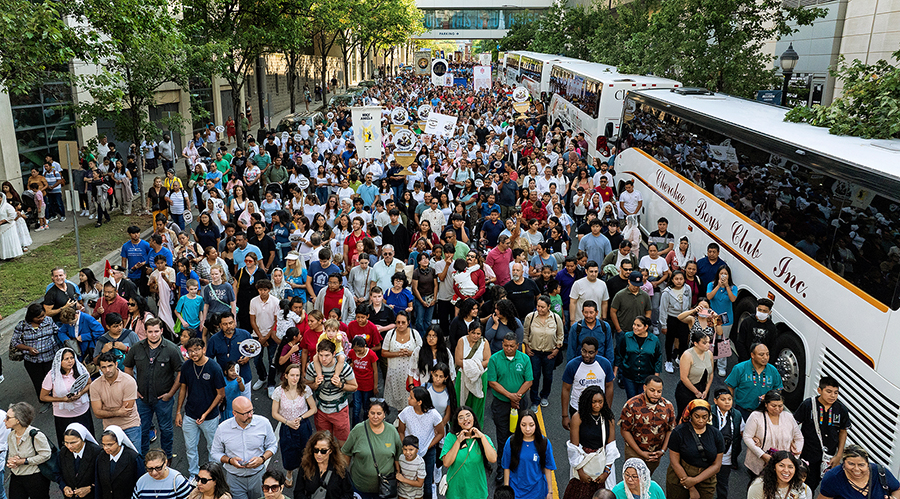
point(646, 422)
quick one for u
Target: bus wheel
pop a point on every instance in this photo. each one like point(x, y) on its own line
point(744, 310)
point(790, 360)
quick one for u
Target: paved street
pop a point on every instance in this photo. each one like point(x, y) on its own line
point(17, 387)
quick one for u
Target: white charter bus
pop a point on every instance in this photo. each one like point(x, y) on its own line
point(534, 71)
point(817, 234)
point(588, 98)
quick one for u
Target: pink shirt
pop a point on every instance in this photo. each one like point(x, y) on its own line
point(66, 409)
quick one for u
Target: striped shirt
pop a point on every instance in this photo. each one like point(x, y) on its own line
point(411, 470)
point(329, 397)
point(173, 486)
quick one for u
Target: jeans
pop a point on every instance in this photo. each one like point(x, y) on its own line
point(134, 185)
point(55, 204)
point(360, 405)
point(245, 487)
point(281, 249)
point(423, 317)
point(722, 478)
point(168, 165)
point(632, 388)
point(500, 411)
point(541, 365)
point(163, 412)
point(398, 191)
point(192, 432)
point(429, 458)
point(179, 220)
point(134, 434)
point(265, 370)
point(322, 194)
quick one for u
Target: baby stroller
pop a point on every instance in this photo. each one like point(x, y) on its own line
point(29, 207)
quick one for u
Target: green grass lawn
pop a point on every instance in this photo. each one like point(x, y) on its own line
point(24, 279)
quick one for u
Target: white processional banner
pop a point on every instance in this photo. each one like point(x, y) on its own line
point(482, 78)
point(440, 124)
point(367, 131)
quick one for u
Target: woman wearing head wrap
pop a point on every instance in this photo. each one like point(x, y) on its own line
point(10, 244)
point(119, 468)
point(681, 255)
point(77, 461)
point(695, 455)
point(215, 208)
point(636, 482)
point(66, 386)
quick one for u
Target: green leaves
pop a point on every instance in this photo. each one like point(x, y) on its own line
point(869, 107)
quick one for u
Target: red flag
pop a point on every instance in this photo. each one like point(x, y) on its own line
point(106, 269)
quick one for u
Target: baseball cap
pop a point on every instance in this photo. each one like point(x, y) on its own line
point(635, 278)
point(292, 256)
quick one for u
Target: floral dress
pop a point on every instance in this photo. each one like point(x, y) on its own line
point(395, 393)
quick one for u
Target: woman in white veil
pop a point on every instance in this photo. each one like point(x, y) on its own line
point(10, 244)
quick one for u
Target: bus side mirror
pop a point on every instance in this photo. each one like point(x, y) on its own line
point(609, 129)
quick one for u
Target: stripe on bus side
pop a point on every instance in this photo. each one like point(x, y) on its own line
point(809, 313)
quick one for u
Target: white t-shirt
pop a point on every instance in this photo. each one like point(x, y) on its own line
point(656, 267)
point(304, 130)
point(422, 426)
point(586, 375)
point(630, 200)
point(264, 313)
point(584, 290)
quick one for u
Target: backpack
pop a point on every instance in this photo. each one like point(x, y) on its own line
point(579, 326)
point(50, 467)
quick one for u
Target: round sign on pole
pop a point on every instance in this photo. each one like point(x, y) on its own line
point(284, 136)
point(479, 183)
point(330, 115)
point(297, 137)
point(188, 217)
point(220, 129)
point(303, 183)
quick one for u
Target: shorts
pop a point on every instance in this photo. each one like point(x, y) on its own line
point(42, 211)
point(338, 423)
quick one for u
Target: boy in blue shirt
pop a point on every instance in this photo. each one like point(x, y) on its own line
point(189, 308)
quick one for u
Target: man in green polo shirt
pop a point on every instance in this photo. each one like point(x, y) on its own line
point(628, 304)
point(509, 375)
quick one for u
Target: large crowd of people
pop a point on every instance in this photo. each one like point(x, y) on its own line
point(388, 314)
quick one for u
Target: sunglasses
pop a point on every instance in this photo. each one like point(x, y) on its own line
point(321, 451)
point(271, 488)
point(151, 469)
point(204, 480)
point(132, 304)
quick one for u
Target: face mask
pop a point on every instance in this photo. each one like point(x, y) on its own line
point(762, 315)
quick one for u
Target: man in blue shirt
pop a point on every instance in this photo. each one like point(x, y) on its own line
point(368, 191)
point(709, 266)
point(595, 244)
point(244, 247)
point(55, 205)
point(591, 327)
point(135, 253)
point(751, 379)
point(319, 271)
point(507, 198)
point(492, 228)
point(489, 206)
point(224, 347)
point(157, 248)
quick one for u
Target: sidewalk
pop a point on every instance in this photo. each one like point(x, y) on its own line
point(55, 232)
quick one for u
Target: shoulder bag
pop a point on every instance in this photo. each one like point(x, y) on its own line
point(15, 354)
point(387, 484)
point(445, 482)
point(50, 467)
point(825, 465)
point(322, 491)
point(700, 447)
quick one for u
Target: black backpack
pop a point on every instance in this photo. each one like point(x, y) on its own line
point(50, 467)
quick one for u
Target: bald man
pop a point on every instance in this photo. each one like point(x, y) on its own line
point(243, 444)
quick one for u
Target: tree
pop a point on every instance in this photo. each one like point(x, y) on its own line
point(35, 41)
point(615, 29)
point(379, 21)
point(715, 44)
point(140, 48)
point(869, 107)
point(519, 36)
point(565, 31)
point(229, 37)
point(290, 38)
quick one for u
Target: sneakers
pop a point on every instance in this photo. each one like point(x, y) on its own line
point(678, 361)
point(92, 216)
point(62, 219)
point(271, 391)
point(534, 408)
point(53, 218)
point(670, 368)
point(83, 213)
point(259, 384)
point(721, 372)
point(153, 435)
point(42, 227)
point(545, 402)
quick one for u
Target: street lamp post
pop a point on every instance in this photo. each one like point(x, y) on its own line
point(788, 62)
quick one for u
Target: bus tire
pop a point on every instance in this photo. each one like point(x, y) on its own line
point(789, 358)
point(745, 309)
